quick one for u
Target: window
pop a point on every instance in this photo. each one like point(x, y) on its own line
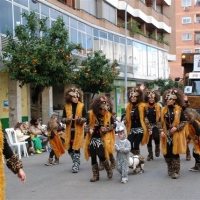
point(186, 36)
point(90, 6)
point(187, 51)
point(109, 13)
point(186, 20)
point(186, 3)
point(197, 50)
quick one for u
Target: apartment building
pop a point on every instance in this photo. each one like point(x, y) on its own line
point(97, 25)
point(187, 35)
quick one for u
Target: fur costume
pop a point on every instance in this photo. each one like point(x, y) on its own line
point(122, 147)
point(192, 132)
point(179, 137)
point(158, 110)
point(141, 108)
point(107, 140)
point(55, 141)
point(2, 176)
point(79, 128)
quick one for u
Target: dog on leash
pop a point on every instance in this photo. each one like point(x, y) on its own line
point(136, 162)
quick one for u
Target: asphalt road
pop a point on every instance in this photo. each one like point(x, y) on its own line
point(57, 182)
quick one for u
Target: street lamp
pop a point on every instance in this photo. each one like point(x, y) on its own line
point(125, 77)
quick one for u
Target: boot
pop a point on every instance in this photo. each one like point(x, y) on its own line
point(56, 161)
point(150, 156)
point(195, 168)
point(157, 150)
point(112, 161)
point(198, 165)
point(101, 167)
point(95, 170)
point(49, 162)
point(76, 162)
point(71, 155)
point(188, 156)
point(175, 168)
point(108, 169)
point(169, 165)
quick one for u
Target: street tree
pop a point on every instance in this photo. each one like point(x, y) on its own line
point(164, 84)
point(39, 55)
point(96, 74)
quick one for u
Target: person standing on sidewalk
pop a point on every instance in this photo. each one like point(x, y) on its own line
point(100, 124)
point(173, 136)
point(153, 110)
point(12, 162)
point(74, 116)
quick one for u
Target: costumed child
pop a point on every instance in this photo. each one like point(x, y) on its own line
point(57, 148)
point(193, 129)
point(122, 147)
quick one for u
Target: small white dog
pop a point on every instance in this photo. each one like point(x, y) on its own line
point(136, 161)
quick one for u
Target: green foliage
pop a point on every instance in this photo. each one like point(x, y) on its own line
point(39, 55)
point(96, 74)
point(162, 40)
point(133, 26)
point(164, 84)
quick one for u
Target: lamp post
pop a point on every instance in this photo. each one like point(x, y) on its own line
point(125, 71)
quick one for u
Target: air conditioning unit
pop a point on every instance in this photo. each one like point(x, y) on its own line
point(186, 8)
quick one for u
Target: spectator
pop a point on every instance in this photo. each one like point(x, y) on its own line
point(38, 131)
point(23, 137)
point(36, 141)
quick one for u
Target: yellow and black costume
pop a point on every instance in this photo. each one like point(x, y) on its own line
point(57, 148)
point(98, 139)
point(173, 143)
point(74, 116)
point(136, 122)
point(153, 110)
point(193, 129)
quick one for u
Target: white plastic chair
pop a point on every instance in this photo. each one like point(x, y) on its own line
point(12, 140)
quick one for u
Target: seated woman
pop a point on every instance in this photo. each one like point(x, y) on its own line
point(22, 137)
point(36, 141)
point(38, 131)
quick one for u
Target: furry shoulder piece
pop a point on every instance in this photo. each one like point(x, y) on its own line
point(107, 139)
point(179, 137)
point(79, 128)
point(141, 108)
point(192, 132)
point(2, 176)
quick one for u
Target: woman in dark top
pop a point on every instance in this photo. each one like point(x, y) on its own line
point(100, 125)
point(135, 120)
point(173, 138)
point(74, 116)
point(193, 129)
point(153, 114)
